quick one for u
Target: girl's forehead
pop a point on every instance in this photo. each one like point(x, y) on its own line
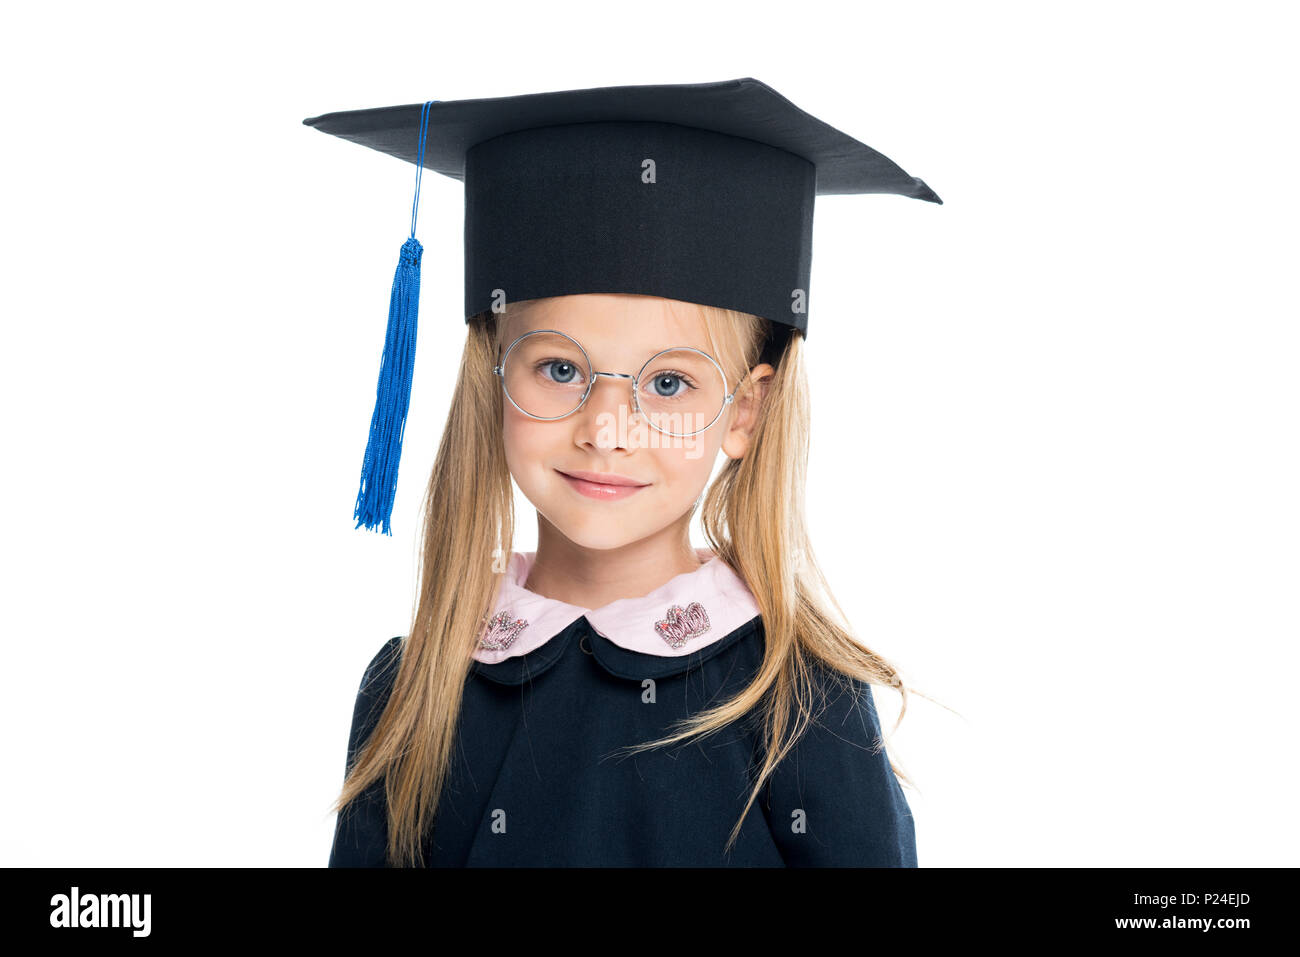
point(613, 322)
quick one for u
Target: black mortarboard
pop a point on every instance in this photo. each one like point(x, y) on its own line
point(701, 192)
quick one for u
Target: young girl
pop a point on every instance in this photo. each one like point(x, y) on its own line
point(620, 697)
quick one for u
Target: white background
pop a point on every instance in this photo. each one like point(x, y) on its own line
point(1054, 468)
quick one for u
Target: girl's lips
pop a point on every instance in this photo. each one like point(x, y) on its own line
point(600, 491)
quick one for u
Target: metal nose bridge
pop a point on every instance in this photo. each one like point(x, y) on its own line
point(636, 406)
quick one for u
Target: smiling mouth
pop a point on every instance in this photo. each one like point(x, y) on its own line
point(601, 491)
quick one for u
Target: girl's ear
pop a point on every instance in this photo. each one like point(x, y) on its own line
point(744, 417)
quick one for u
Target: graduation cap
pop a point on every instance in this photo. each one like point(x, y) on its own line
point(701, 192)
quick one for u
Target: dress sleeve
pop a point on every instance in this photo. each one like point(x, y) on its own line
point(835, 801)
point(361, 830)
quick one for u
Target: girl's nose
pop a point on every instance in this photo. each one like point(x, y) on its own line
point(607, 411)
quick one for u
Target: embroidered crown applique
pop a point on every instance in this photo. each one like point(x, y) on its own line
point(501, 631)
point(683, 624)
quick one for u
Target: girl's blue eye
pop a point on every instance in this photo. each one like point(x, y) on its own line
point(668, 385)
point(560, 371)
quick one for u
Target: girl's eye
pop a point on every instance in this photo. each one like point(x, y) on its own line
point(670, 385)
point(560, 371)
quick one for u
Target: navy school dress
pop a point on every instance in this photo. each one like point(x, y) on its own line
point(537, 778)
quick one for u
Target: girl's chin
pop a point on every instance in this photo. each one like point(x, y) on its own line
point(598, 539)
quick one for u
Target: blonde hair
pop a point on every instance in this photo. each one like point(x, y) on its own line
point(752, 516)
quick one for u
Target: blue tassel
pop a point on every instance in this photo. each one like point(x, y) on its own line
point(393, 395)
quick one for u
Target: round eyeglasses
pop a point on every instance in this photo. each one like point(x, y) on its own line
point(680, 391)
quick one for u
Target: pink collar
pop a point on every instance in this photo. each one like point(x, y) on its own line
point(681, 616)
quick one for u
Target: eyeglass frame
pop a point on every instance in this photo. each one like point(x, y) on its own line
point(500, 371)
